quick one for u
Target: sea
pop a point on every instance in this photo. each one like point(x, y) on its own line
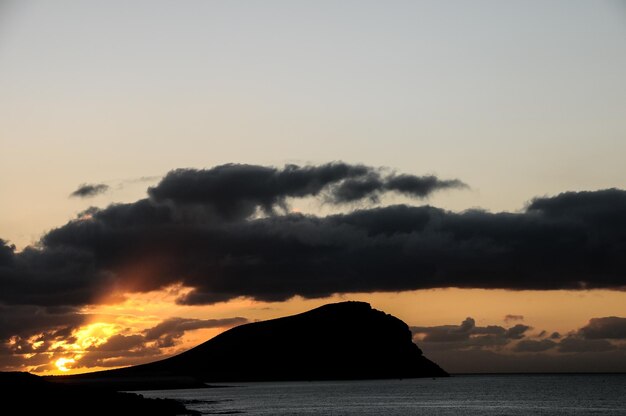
point(597, 394)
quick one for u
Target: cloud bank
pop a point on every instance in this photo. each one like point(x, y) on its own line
point(466, 347)
point(202, 229)
point(468, 335)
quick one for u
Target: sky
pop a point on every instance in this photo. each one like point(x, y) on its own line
point(169, 170)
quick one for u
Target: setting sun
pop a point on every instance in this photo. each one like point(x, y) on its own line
point(61, 362)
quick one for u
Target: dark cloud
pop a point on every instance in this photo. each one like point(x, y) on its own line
point(178, 235)
point(528, 345)
point(236, 191)
point(555, 335)
point(372, 185)
point(509, 317)
point(402, 248)
point(421, 186)
point(88, 190)
point(611, 327)
point(47, 323)
point(598, 207)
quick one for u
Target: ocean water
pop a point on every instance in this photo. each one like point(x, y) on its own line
point(458, 395)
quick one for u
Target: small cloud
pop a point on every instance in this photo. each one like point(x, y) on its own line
point(89, 190)
point(509, 318)
point(517, 331)
point(144, 179)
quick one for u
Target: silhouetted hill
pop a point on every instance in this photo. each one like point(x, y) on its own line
point(347, 340)
point(27, 394)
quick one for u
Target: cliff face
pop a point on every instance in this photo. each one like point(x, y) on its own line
point(348, 340)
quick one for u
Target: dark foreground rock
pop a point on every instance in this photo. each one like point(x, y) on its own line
point(347, 340)
point(27, 394)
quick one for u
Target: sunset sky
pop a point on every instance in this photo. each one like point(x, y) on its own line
point(169, 170)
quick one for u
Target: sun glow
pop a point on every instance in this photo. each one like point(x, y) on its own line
point(88, 337)
point(62, 362)
point(91, 335)
point(95, 334)
point(128, 317)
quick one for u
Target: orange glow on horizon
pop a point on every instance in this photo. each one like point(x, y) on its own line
point(562, 311)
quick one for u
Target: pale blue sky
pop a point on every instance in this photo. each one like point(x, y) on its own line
point(517, 99)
